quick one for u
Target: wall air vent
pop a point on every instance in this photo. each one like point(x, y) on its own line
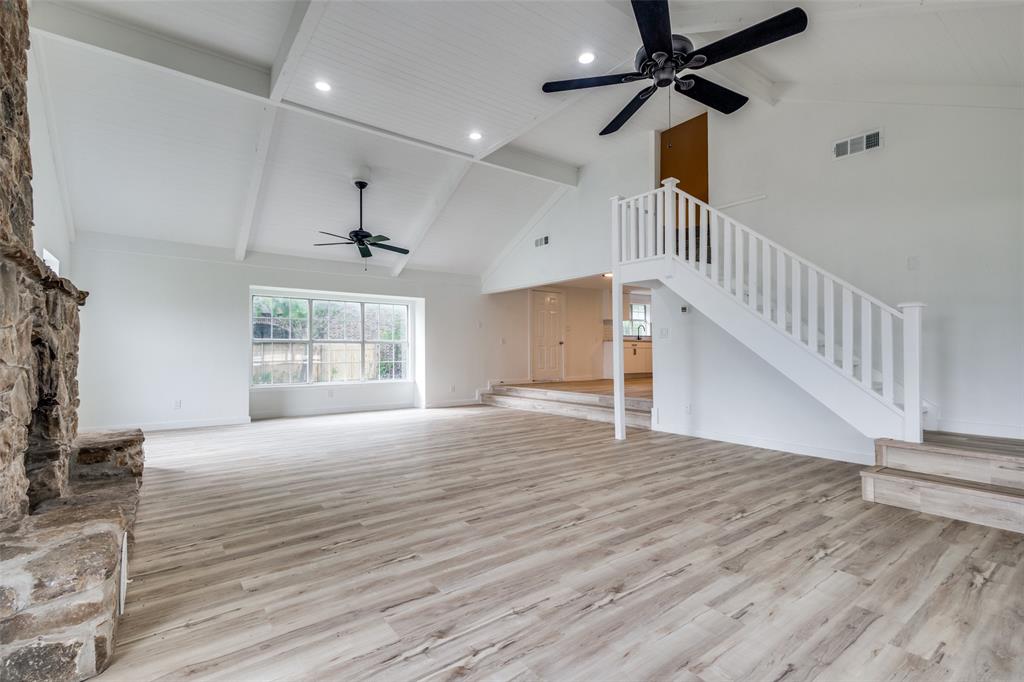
point(857, 144)
point(541, 241)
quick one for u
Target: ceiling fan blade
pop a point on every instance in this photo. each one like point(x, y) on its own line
point(388, 247)
point(331, 234)
point(710, 94)
point(630, 109)
point(781, 26)
point(334, 243)
point(364, 251)
point(652, 18)
point(592, 82)
point(377, 238)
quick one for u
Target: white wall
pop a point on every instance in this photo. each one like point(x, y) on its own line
point(167, 322)
point(578, 224)
point(708, 384)
point(936, 215)
point(51, 228)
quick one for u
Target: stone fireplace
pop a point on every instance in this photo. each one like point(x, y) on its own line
point(67, 500)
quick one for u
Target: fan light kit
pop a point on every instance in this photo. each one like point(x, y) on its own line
point(664, 55)
point(322, 86)
point(360, 237)
point(585, 58)
point(476, 135)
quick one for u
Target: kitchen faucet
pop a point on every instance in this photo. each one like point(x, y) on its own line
point(638, 330)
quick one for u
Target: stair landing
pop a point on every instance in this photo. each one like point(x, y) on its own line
point(979, 479)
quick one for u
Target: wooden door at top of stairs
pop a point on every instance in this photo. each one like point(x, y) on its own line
point(684, 156)
point(546, 336)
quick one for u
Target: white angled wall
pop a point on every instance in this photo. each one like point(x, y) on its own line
point(167, 322)
point(935, 215)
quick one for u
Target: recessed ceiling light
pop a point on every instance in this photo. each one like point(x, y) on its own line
point(476, 135)
point(323, 86)
point(586, 58)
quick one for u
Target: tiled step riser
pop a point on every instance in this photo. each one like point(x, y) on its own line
point(938, 461)
point(596, 413)
point(570, 397)
point(949, 501)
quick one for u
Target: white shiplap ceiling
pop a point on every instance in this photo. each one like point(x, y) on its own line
point(150, 152)
point(308, 187)
point(146, 153)
point(250, 32)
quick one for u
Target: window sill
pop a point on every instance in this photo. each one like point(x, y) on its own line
point(333, 384)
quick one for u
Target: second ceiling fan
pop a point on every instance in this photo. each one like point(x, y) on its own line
point(665, 54)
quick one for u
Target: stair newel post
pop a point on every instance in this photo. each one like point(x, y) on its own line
point(668, 188)
point(618, 378)
point(912, 313)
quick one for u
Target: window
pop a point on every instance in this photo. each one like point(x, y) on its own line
point(639, 322)
point(315, 341)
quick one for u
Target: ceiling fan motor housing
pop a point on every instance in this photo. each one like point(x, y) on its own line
point(681, 46)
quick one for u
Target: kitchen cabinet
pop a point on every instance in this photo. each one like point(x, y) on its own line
point(637, 357)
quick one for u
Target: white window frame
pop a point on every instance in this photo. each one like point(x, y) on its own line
point(363, 300)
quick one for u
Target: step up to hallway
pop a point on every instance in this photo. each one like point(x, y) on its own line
point(977, 479)
point(590, 406)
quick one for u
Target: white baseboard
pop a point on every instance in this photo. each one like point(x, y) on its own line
point(334, 409)
point(173, 425)
point(456, 402)
point(867, 457)
point(982, 428)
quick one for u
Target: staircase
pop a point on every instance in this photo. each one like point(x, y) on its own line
point(969, 478)
point(857, 355)
point(590, 406)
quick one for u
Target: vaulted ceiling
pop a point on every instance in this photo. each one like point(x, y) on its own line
point(198, 121)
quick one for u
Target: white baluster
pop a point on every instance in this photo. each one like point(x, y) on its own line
point(912, 314)
point(828, 288)
point(634, 237)
point(727, 255)
point(670, 214)
point(780, 291)
point(644, 213)
point(741, 243)
point(691, 231)
point(866, 361)
point(702, 250)
point(652, 214)
point(766, 281)
point(753, 276)
point(812, 309)
point(798, 312)
point(887, 354)
point(715, 255)
point(847, 331)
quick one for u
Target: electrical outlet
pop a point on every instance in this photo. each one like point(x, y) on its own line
point(913, 263)
point(330, 393)
point(453, 388)
point(688, 410)
point(177, 404)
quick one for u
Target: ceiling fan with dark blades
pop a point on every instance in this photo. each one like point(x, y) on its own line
point(360, 237)
point(664, 55)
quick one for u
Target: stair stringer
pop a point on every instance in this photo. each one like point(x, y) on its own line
point(843, 395)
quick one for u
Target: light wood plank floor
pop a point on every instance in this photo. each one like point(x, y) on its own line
point(636, 387)
point(486, 543)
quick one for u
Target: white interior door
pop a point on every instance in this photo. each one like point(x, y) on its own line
point(546, 329)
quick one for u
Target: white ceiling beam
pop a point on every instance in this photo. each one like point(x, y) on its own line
point(126, 42)
point(37, 64)
point(303, 22)
point(70, 24)
point(529, 164)
point(438, 202)
point(255, 191)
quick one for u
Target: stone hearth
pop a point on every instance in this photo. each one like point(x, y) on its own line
point(67, 503)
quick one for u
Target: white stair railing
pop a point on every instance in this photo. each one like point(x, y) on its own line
point(868, 341)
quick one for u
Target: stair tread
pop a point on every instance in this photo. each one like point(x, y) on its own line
point(1015, 494)
point(569, 397)
point(964, 445)
point(594, 406)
